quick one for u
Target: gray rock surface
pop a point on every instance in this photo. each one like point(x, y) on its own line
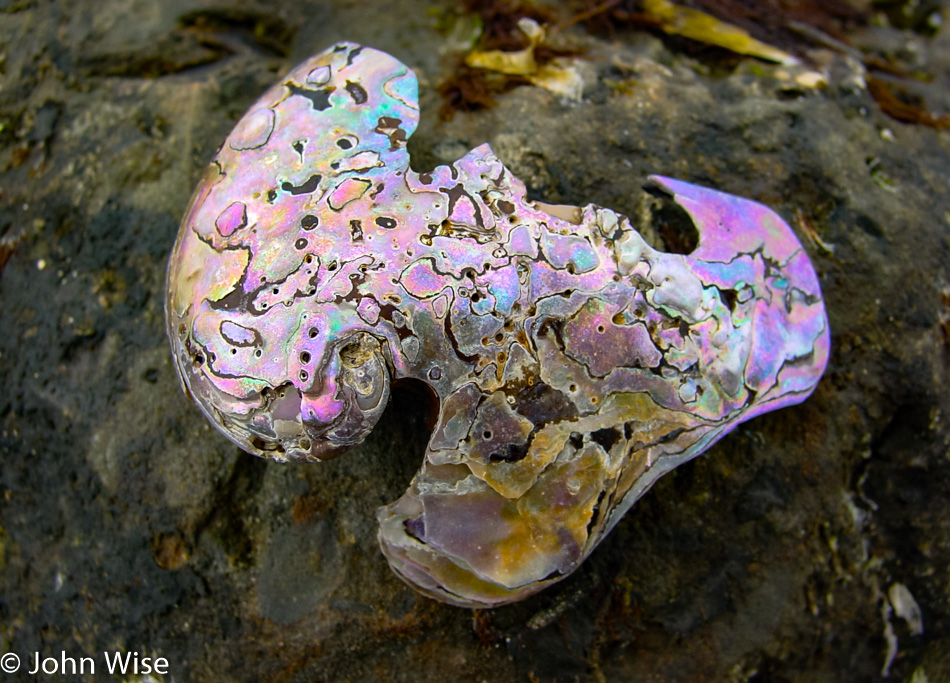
point(127, 523)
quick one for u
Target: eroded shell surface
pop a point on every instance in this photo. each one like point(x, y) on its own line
point(573, 363)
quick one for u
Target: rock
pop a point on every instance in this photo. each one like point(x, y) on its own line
point(127, 523)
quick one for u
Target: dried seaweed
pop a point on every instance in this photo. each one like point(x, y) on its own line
point(705, 28)
point(768, 21)
point(899, 103)
point(500, 22)
point(5, 252)
point(558, 76)
point(713, 30)
point(470, 88)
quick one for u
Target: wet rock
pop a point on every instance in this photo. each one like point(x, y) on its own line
point(125, 521)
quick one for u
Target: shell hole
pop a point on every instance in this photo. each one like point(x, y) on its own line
point(673, 224)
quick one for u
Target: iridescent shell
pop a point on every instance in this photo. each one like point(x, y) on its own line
point(573, 363)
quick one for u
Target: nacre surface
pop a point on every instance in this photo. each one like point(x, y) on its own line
point(572, 363)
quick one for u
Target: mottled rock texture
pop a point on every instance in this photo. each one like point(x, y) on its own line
point(126, 522)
